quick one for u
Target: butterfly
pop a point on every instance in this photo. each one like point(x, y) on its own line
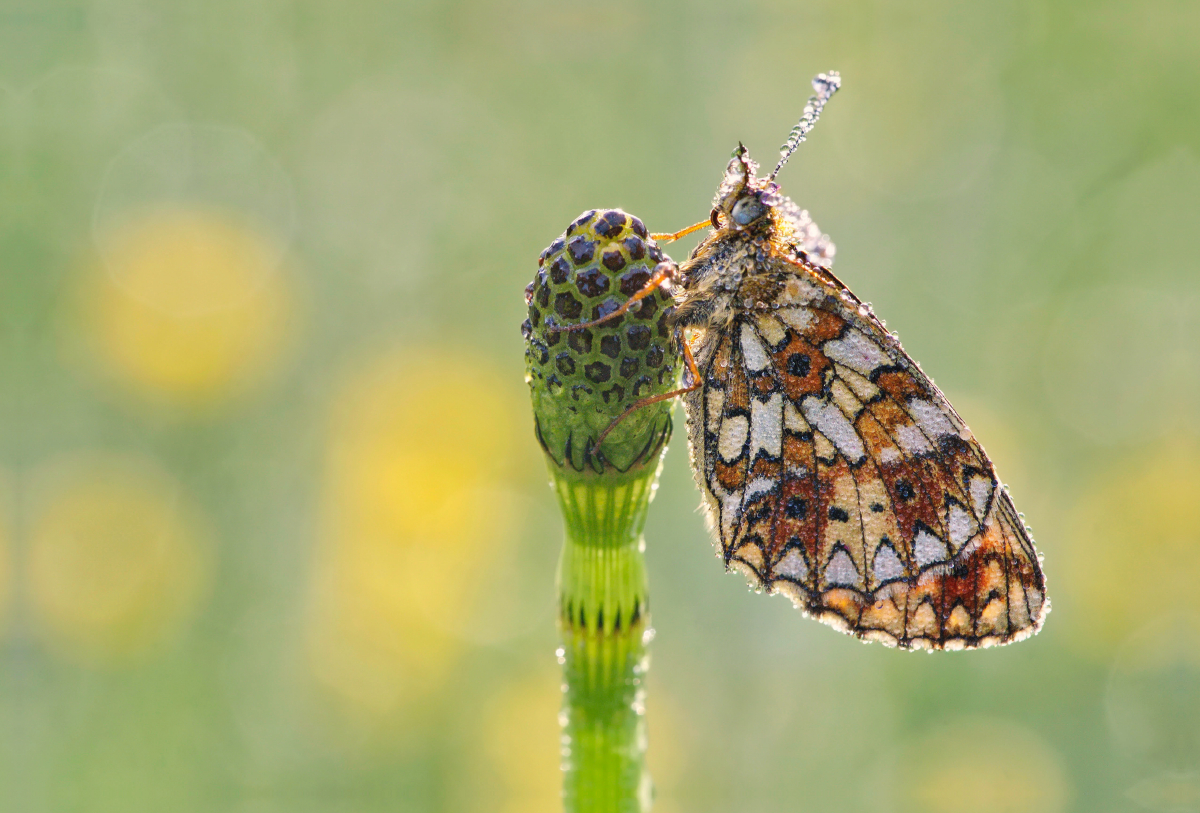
point(833, 470)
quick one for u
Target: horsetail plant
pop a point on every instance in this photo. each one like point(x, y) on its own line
point(580, 382)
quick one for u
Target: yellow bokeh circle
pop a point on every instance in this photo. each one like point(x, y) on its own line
point(1133, 549)
point(978, 765)
point(117, 558)
point(6, 495)
point(521, 744)
point(415, 513)
point(190, 306)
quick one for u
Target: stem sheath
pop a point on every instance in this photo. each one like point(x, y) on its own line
point(604, 621)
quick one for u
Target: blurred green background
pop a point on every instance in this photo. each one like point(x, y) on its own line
point(274, 529)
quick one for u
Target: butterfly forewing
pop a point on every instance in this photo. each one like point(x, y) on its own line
point(836, 473)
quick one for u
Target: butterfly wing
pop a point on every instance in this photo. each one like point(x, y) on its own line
point(836, 473)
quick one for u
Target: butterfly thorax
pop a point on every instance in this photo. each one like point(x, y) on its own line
point(730, 274)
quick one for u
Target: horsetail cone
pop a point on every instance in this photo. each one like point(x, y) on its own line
point(581, 381)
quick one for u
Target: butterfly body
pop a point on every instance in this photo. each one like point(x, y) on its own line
point(833, 470)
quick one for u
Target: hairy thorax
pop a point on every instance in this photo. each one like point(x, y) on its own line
point(734, 272)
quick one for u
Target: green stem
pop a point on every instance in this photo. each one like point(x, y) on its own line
point(604, 618)
point(579, 392)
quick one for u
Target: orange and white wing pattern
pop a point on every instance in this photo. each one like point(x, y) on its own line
point(836, 473)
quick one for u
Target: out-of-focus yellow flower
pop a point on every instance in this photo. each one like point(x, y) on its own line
point(979, 766)
point(117, 558)
point(413, 517)
point(6, 496)
point(1134, 550)
point(521, 745)
point(190, 307)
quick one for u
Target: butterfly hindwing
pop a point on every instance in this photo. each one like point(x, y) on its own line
point(836, 473)
point(833, 470)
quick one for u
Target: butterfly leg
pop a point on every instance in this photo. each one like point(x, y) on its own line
point(671, 237)
point(662, 272)
point(693, 373)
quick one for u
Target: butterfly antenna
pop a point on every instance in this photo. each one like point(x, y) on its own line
point(825, 85)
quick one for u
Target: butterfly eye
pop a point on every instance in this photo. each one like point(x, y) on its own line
point(747, 210)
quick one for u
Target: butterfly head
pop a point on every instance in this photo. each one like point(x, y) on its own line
point(743, 200)
point(749, 204)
